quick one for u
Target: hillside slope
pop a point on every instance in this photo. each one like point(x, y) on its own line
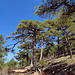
point(60, 66)
point(55, 66)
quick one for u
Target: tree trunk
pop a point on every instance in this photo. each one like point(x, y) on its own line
point(31, 64)
point(41, 55)
point(27, 58)
point(68, 45)
point(34, 54)
point(58, 47)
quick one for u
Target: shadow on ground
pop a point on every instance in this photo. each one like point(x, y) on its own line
point(60, 68)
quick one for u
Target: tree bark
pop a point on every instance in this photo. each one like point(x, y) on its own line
point(41, 55)
point(34, 50)
point(31, 62)
point(68, 45)
point(27, 58)
point(58, 47)
point(34, 54)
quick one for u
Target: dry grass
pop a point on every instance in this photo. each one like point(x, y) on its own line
point(58, 63)
point(65, 59)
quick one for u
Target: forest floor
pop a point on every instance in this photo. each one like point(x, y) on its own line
point(55, 66)
point(60, 66)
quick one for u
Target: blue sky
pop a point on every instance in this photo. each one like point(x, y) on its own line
point(12, 12)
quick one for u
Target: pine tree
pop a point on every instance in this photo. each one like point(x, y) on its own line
point(2, 51)
point(12, 63)
point(52, 33)
point(67, 26)
point(52, 7)
point(23, 56)
point(28, 30)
